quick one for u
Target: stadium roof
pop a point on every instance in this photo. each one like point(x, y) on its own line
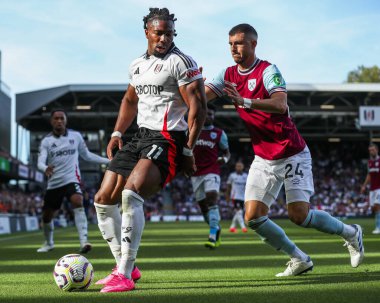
point(319, 109)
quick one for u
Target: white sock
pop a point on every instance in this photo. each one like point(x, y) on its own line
point(49, 232)
point(81, 224)
point(299, 254)
point(109, 222)
point(240, 218)
point(132, 226)
point(348, 232)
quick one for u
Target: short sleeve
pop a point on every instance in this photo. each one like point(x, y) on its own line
point(273, 80)
point(223, 143)
point(184, 69)
point(130, 73)
point(217, 84)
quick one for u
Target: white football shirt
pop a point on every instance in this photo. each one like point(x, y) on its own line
point(237, 182)
point(156, 82)
point(62, 152)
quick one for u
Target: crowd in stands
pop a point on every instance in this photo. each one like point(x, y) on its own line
point(338, 174)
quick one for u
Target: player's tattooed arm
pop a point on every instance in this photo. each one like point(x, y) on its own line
point(277, 103)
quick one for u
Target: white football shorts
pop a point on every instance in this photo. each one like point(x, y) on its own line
point(266, 177)
point(374, 197)
point(204, 184)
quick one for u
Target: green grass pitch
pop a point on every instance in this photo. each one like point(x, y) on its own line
point(176, 267)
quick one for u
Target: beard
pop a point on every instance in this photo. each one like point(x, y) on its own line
point(159, 55)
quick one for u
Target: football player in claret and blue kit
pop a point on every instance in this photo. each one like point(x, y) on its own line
point(211, 151)
point(282, 157)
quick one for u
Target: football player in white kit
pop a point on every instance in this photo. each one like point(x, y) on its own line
point(235, 191)
point(58, 159)
point(164, 85)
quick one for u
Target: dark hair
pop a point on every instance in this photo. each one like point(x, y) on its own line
point(374, 145)
point(244, 28)
point(160, 14)
point(57, 110)
point(211, 106)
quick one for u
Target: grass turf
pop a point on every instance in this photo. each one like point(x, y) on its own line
point(176, 267)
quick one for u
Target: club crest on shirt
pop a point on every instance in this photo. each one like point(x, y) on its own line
point(213, 135)
point(251, 84)
point(158, 68)
point(71, 141)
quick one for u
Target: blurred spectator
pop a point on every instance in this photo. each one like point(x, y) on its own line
point(338, 173)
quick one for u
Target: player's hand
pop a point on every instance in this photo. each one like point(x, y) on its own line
point(221, 160)
point(201, 70)
point(49, 171)
point(115, 142)
point(231, 91)
point(362, 189)
point(188, 165)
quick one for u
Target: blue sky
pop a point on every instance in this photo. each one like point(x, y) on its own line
point(47, 43)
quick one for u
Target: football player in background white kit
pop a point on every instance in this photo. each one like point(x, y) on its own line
point(235, 191)
point(58, 159)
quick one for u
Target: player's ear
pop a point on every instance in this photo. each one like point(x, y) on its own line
point(254, 43)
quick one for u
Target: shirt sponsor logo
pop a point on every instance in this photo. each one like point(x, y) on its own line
point(251, 84)
point(202, 142)
point(60, 153)
point(149, 89)
point(192, 73)
point(277, 79)
point(374, 170)
point(158, 68)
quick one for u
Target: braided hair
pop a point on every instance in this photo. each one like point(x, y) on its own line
point(160, 14)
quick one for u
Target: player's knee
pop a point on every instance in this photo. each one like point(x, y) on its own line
point(203, 206)
point(298, 217)
point(251, 216)
point(47, 216)
point(298, 212)
point(102, 197)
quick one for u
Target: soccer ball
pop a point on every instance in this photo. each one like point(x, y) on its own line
point(73, 272)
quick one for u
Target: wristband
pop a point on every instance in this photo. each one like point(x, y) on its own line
point(187, 152)
point(247, 102)
point(225, 159)
point(116, 134)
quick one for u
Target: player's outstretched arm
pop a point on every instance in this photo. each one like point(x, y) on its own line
point(127, 113)
point(194, 96)
point(42, 157)
point(277, 103)
point(89, 156)
point(210, 94)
